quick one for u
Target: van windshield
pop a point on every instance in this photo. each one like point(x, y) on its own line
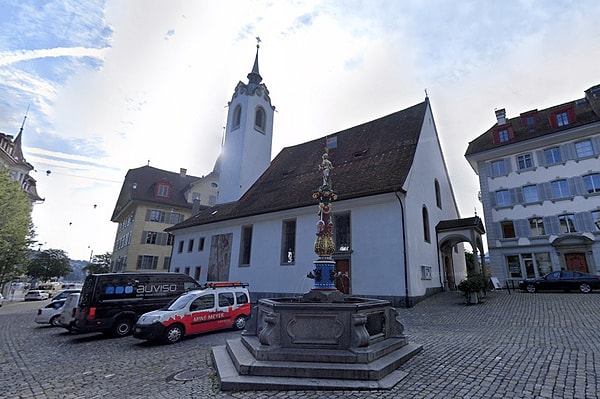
point(181, 302)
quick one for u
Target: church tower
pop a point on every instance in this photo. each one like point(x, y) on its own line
point(248, 137)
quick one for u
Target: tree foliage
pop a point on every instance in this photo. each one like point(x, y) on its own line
point(49, 264)
point(99, 264)
point(16, 229)
point(470, 260)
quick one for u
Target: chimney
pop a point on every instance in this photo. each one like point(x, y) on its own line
point(501, 116)
point(182, 172)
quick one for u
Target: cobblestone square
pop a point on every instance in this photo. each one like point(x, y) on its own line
point(513, 345)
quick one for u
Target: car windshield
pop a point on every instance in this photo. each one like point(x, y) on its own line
point(181, 302)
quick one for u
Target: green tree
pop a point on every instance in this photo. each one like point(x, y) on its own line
point(470, 260)
point(16, 229)
point(99, 264)
point(49, 264)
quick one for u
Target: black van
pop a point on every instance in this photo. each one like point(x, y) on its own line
point(111, 303)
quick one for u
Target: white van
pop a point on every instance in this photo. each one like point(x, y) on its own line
point(67, 316)
point(220, 305)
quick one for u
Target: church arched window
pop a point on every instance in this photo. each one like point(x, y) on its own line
point(426, 234)
point(237, 116)
point(438, 194)
point(260, 120)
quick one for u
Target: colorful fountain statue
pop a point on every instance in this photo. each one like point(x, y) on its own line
point(324, 272)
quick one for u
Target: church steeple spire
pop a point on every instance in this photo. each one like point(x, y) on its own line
point(18, 147)
point(254, 76)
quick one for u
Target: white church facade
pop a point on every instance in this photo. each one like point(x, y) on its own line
point(397, 228)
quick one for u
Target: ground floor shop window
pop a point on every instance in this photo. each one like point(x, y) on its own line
point(529, 265)
point(514, 266)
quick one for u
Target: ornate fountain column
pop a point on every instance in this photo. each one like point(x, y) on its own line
point(324, 272)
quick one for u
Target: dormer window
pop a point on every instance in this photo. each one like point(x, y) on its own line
point(163, 189)
point(529, 120)
point(260, 120)
point(503, 134)
point(562, 117)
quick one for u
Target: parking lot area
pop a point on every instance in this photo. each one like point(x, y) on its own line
point(513, 345)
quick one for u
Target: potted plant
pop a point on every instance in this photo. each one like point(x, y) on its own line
point(471, 288)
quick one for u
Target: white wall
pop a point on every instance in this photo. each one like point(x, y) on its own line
point(428, 165)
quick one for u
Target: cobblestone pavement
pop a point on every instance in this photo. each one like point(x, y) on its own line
point(514, 345)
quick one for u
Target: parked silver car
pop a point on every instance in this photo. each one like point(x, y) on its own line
point(49, 313)
point(36, 295)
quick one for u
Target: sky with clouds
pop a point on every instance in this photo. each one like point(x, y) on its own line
point(112, 85)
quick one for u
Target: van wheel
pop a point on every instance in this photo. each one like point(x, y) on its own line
point(122, 328)
point(54, 321)
point(173, 334)
point(239, 323)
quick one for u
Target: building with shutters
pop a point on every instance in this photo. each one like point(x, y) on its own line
point(150, 201)
point(539, 176)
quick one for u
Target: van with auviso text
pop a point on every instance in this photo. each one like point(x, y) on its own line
point(111, 303)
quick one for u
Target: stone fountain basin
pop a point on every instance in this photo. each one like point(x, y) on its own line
point(322, 321)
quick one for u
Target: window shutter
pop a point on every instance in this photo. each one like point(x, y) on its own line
point(540, 191)
point(548, 193)
point(567, 151)
point(144, 236)
point(507, 165)
point(587, 221)
point(162, 239)
point(516, 196)
point(488, 168)
point(578, 186)
point(495, 137)
point(572, 186)
point(596, 145)
point(493, 199)
point(541, 157)
point(580, 221)
point(497, 230)
point(572, 116)
point(551, 225)
point(552, 119)
point(521, 227)
point(511, 133)
point(148, 214)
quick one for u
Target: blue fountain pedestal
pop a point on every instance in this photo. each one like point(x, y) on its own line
point(323, 274)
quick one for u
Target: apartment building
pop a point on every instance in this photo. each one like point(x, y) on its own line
point(539, 176)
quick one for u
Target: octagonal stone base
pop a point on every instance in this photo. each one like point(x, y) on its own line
point(322, 340)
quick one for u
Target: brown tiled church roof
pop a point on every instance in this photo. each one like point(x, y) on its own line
point(369, 159)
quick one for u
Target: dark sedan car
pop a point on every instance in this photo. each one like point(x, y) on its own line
point(565, 280)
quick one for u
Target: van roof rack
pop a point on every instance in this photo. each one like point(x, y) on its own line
point(224, 284)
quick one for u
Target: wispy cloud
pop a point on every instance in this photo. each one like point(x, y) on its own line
point(12, 57)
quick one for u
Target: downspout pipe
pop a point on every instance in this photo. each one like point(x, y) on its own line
point(406, 293)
